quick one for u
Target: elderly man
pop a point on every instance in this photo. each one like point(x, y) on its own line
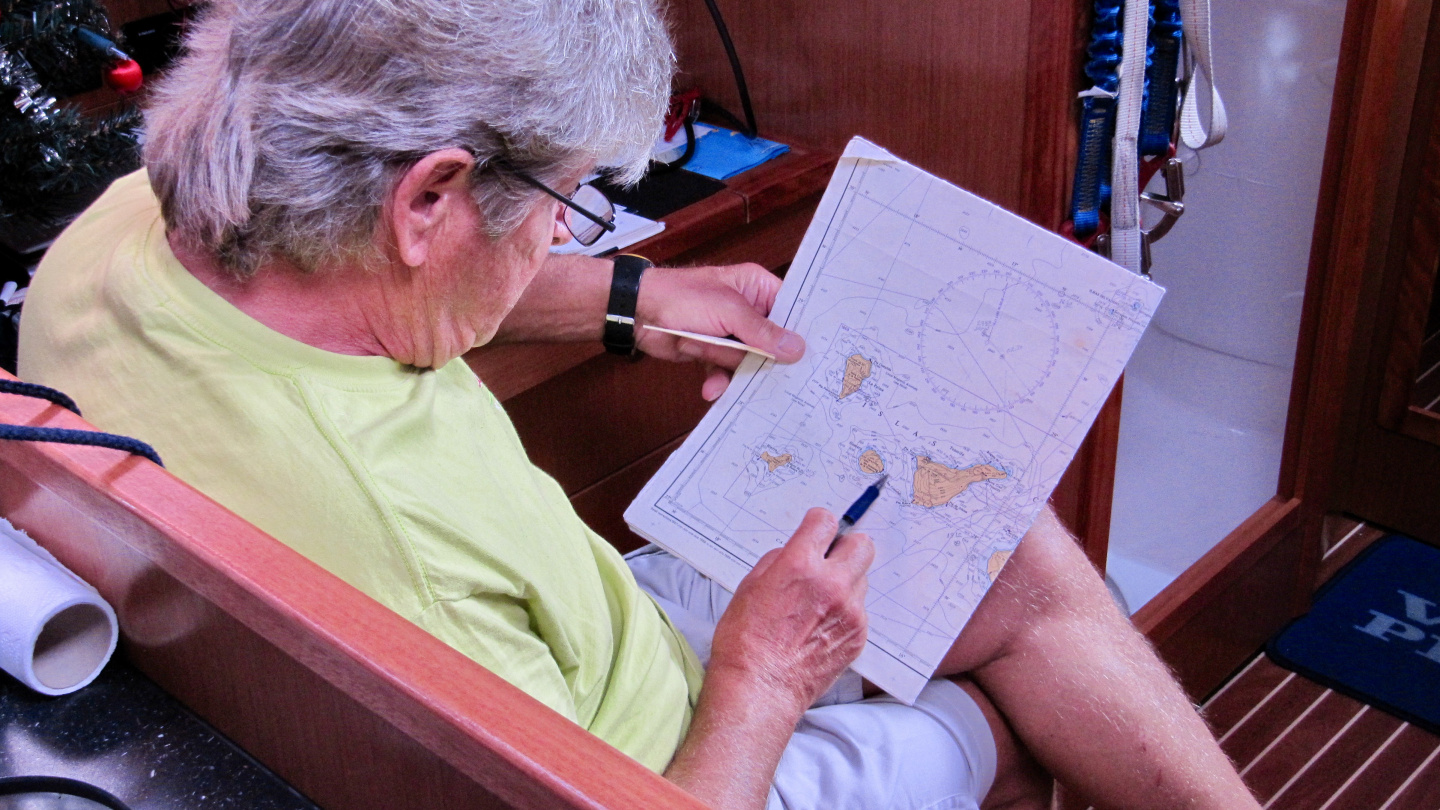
point(342, 197)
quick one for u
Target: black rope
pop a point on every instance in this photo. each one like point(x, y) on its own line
point(92, 438)
point(751, 130)
point(17, 785)
point(25, 389)
point(661, 168)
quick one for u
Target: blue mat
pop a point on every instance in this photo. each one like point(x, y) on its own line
point(1374, 632)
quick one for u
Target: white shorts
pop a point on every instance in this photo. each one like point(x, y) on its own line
point(848, 751)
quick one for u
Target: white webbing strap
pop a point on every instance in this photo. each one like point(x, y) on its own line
point(1198, 130)
point(1125, 248)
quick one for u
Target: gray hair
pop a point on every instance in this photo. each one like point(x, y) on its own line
point(285, 125)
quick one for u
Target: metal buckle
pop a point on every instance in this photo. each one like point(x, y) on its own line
point(1171, 205)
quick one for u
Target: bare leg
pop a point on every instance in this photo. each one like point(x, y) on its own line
point(1083, 689)
point(1020, 782)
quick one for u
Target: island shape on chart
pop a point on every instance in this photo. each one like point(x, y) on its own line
point(857, 371)
point(871, 463)
point(997, 561)
point(936, 484)
point(775, 462)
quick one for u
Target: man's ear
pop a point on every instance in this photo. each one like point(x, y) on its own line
point(431, 195)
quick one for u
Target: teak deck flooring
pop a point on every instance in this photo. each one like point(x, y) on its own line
point(1301, 746)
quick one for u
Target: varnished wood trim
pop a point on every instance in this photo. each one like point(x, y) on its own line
point(512, 369)
point(1056, 48)
point(1214, 616)
point(1211, 576)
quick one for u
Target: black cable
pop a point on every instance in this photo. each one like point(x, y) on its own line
point(25, 389)
point(657, 167)
point(17, 785)
point(751, 130)
point(91, 438)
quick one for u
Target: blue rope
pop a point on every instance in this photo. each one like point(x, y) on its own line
point(25, 389)
point(1103, 68)
point(1097, 119)
point(1157, 118)
point(93, 438)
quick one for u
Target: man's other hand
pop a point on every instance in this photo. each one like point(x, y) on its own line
point(798, 618)
point(729, 300)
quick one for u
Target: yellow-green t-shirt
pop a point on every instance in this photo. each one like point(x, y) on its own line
point(409, 484)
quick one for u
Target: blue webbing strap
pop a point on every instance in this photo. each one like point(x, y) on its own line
point(1157, 119)
point(1097, 119)
point(93, 438)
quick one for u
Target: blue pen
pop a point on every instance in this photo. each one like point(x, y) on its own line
point(857, 510)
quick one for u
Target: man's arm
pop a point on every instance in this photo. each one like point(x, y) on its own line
point(797, 620)
point(566, 302)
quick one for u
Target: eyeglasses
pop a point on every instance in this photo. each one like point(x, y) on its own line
point(588, 202)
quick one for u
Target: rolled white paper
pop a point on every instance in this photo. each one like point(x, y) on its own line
point(56, 633)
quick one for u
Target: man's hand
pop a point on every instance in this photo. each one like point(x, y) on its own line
point(797, 620)
point(798, 617)
point(720, 301)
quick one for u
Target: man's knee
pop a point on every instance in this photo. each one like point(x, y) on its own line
point(1047, 581)
point(1020, 783)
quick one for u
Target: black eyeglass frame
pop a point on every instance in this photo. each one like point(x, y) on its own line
point(572, 205)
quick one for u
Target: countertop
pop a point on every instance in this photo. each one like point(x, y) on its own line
point(124, 734)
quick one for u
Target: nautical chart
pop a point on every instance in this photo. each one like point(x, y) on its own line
point(952, 345)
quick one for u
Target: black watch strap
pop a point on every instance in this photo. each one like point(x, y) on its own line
point(620, 312)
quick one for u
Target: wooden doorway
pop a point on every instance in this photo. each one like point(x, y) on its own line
point(1354, 326)
point(1390, 472)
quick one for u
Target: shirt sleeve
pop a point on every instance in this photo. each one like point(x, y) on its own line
point(494, 631)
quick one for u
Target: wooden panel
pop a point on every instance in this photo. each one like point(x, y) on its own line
point(1418, 250)
point(604, 414)
point(1085, 493)
point(1388, 477)
point(602, 504)
point(1220, 610)
point(349, 701)
point(942, 84)
point(1397, 487)
point(1348, 279)
point(1059, 30)
point(771, 242)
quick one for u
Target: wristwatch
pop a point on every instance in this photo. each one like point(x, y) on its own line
point(620, 312)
